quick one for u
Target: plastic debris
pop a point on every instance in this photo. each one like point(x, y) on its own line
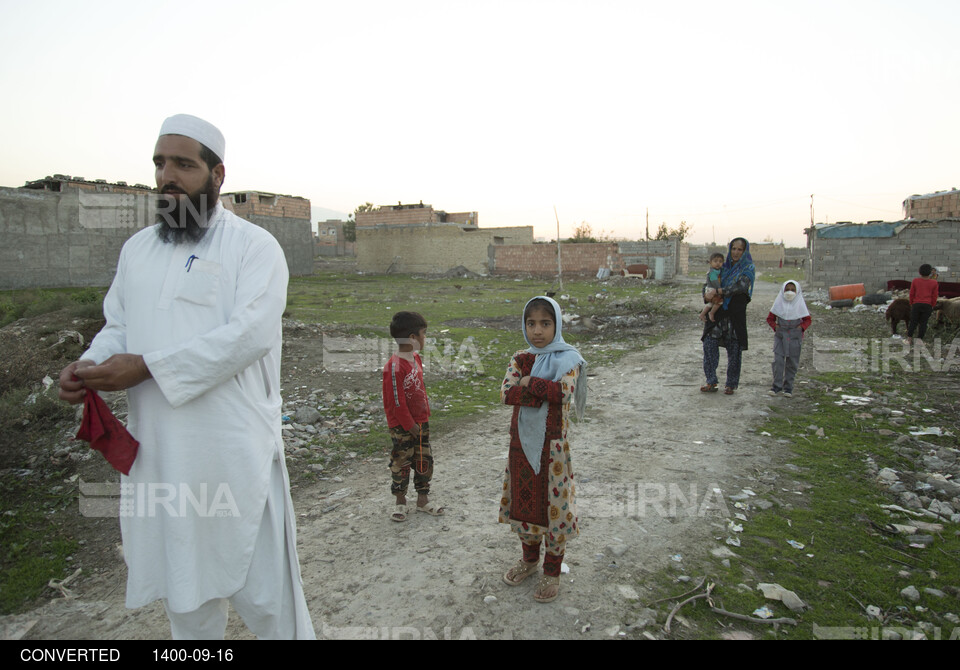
point(763, 612)
point(795, 544)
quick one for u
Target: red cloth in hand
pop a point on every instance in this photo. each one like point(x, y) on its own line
point(106, 434)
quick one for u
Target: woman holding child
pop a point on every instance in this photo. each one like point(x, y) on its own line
point(730, 330)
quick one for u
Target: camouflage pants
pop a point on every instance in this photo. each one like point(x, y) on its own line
point(410, 449)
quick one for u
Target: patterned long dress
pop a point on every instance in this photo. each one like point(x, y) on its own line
point(541, 504)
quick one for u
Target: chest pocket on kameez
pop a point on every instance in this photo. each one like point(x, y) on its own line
point(200, 284)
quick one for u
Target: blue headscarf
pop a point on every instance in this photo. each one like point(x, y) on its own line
point(552, 363)
point(731, 272)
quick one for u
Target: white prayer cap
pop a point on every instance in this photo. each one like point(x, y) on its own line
point(197, 129)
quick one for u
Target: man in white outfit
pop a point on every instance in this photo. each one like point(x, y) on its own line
point(193, 333)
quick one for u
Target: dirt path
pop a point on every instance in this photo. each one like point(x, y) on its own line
point(656, 462)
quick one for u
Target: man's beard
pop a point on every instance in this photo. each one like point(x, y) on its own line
point(185, 219)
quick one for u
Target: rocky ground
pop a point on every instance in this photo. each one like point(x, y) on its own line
point(660, 480)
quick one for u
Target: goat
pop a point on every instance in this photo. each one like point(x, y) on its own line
point(897, 311)
point(949, 309)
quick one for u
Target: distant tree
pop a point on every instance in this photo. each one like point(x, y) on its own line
point(681, 231)
point(350, 227)
point(350, 230)
point(583, 233)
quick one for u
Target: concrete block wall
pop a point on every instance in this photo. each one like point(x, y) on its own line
point(74, 237)
point(675, 253)
point(431, 248)
point(934, 206)
point(873, 261)
point(295, 235)
point(45, 242)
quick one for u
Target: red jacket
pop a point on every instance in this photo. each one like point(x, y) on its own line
point(924, 290)
point(404, 395)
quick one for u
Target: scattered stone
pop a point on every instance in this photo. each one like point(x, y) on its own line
point(617, 550)
point(936, 593)
point(645, 617)
point(628, 592)
point(787, 597)
point(911, 594)
point(888, 475)
point(490, 599)
point(722, 552)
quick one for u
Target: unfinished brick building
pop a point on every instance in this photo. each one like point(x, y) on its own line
point(403, 215)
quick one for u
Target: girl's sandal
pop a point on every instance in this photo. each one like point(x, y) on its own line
point(548, 589)
point(708, 388)
point(519, 572)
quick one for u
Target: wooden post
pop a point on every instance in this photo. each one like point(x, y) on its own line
point(559, 263)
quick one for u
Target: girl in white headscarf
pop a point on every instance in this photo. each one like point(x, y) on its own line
point(538, 501)
point(789, 318)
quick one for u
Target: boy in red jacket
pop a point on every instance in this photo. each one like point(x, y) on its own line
point(923, 298)
point(408, 411)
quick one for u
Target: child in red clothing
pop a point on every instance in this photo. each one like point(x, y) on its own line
point(924, 291)
point(539, 495)
point(408, 411)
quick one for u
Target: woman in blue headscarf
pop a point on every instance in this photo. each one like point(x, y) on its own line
point(538, 488)
point(730, 331)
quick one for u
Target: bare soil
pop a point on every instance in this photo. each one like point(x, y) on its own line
point(648, 429)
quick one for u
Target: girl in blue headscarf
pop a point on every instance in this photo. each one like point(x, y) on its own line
point(736, 288)
point(538, 487)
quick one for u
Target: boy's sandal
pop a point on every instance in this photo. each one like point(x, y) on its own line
point(399, 513)
point(431, 508)
point(728, 390)
point(548, 589)
point(708, 388)
point(519, 572)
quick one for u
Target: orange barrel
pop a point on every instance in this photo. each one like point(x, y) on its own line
point(847, 291)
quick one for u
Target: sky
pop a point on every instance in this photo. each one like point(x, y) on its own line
point(726, 115)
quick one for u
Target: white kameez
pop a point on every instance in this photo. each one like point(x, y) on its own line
point(206, 318)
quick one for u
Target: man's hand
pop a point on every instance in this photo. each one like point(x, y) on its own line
point(71, 386)
point(525, 382)
point(119, 372)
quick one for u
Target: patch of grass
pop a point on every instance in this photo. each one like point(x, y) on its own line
point(25, 412)
point(780, 275)
point(831, 504)
point(33, 550)
point(20, 304)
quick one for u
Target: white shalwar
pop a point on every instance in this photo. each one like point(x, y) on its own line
point(206, 317)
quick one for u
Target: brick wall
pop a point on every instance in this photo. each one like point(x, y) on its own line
point(873, 261)
point(251, 203)
point(941, 205)
point(406, 215)
point(586, 259)
point(431, 248)
point(541, 259)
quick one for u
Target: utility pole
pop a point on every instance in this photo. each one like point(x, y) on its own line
point(559, 264)
point(811, 210)
point(648, 223)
